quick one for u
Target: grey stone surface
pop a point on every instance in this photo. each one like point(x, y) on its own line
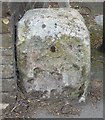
point(53, 50)
point(7, 71)
point(7, 51)
point(99, 20)
point(9, 85)
point(7, 41)
point(8, 97)
point(7, 60)
point(0, 25)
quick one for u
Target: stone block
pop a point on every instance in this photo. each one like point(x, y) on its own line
point(8, 97)
point(53, 50)
point(8, 71)
point(7, 41)
point(9, 85)
point(7, 60)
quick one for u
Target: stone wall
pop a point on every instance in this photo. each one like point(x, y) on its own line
point(11, 13)
point(8, 74)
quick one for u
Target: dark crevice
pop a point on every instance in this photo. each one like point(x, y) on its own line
point(15, 49)
point(52, 48)
point(16, 14)
point(102, 48)
point(18, 75)
point(8, 77)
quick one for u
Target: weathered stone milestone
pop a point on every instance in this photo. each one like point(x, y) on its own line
point(53, 50)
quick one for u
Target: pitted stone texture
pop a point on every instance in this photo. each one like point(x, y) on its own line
point(53, 49)
point(8, 97)
point(45, 23)
point(7, 41)
point(9, 85)
point(7, 52)
point(7, 60)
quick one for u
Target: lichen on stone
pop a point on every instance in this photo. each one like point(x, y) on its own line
point(55, 51)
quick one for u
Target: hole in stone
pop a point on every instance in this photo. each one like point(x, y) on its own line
point(81, 90)
point(8, 13)
point(66, 17)
point(37, 71)
point(76, 66)
point(52, 48)
point(79, 50)
point(30, 80)
point(43, 26)
point(79, 45)
point(70, 46)
point(55, 25)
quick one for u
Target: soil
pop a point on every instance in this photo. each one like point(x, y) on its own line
point(25, 107)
